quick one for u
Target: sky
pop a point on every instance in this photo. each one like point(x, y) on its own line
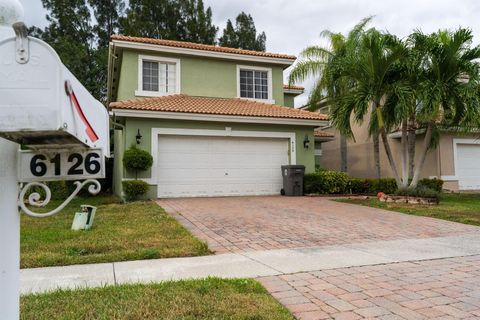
point(291, 25)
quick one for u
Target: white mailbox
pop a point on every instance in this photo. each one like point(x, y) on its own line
point(42, 105)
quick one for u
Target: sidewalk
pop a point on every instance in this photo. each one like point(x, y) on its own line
point(249, 264)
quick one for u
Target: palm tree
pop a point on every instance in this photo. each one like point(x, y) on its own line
point(373, 75)
point(449, 88)
point(325, 64)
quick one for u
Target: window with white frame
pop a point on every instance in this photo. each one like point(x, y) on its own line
point(254, 83)
point(158, 76)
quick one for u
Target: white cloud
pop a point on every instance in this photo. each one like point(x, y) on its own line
point(292, 25)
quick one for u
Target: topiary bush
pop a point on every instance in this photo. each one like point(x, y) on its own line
point(137, 159)
point(133, 189)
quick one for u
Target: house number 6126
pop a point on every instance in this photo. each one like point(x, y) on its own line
point(76, 163)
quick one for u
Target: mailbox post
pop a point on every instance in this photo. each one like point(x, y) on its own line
point(66, 131)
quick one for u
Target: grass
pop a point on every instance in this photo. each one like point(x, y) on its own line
point(457, 207)
point(210, 298)
point(133, 231)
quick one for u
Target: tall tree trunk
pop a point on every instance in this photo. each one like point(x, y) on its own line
point(376, 156)
point(343, 153)
point(412, 141)
point(423, 155)
point(386, 144)
point(404, 153)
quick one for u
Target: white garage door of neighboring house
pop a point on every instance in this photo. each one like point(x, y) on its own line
point(195, 166)
point(468, 166)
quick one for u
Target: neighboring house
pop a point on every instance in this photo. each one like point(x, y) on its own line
point(218, 121)
point(456, 159)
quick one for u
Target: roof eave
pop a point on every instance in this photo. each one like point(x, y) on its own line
point(203, 53)
point(135, 113)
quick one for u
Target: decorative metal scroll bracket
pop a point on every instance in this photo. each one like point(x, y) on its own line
point(34, 199)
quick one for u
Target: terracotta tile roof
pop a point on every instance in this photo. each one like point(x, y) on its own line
point(205, 47)
point(323, 134)
point(216, 106)
point(287, 87)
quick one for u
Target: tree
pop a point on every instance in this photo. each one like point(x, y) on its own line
point(185, 20)
point(70, 33)
point(449, 86)
point(325, 63)
point(196, 22)
point(107, 15)
point(82, 45)
point(229, 37)
point(432, 80)
point(373, 74)
point(244, 35)
point(152, 19)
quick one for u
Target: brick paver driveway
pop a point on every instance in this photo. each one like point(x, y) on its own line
point(238, 224)
point(447, 288)
point(431, 289)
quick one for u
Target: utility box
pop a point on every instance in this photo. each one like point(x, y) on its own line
point(84, 220)
point(43, 105)
point(293, 180)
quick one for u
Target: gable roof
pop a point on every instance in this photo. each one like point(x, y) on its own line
point(203, 47)
point(181, 103)
point(319, 133)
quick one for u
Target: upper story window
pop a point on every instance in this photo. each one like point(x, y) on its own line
point(158, 76)
point(254, 83)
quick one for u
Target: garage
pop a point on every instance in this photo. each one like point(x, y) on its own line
point(207, 166)
point(468, 166)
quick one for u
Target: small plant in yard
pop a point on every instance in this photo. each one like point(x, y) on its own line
point(133, 189)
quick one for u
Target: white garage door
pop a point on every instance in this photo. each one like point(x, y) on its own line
point(468, 166)
point(196, 166)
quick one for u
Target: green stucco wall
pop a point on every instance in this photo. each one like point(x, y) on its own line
point(304, 156)
point(289, 100)
point(200, 76)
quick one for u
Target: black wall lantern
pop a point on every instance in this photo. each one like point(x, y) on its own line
point(138, 137)
point(306, 142)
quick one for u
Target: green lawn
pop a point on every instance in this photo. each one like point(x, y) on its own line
point(133, 231)
point(193, 299)
point(458, 207)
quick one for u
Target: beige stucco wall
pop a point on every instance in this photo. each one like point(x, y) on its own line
point(360, 158)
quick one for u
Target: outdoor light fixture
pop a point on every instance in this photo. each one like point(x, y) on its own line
point(138, 137)
point(306, 142)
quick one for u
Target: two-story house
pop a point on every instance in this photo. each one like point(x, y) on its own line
point(218, 121)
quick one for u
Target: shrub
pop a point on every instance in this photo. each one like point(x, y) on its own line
point(134, 189)
point(360, 185)
point(326, 182)
point(137, 159)
point(385, 185)
point(420, 191)
point(59, 189)
point(434, 184)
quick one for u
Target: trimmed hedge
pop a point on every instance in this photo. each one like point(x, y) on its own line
point(334, 182)
point(134, 189)
point(421, 191)
point(432, 184)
